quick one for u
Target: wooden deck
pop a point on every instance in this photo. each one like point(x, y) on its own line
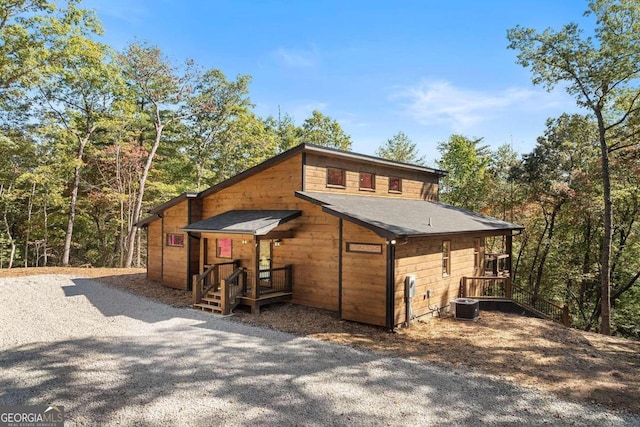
point(500, 288)
point(271, 298)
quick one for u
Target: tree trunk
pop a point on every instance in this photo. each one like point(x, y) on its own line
point(605, 255)
point(46, 233)
point(28, 232)
point(11, 241)
point(131, 238)
point(74, 197)
point(545, 250)
point(537, 251)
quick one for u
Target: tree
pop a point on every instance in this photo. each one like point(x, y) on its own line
point(602, 73)
point(206, 131)
point(549, 173)
point(160, 93)
point(166, 96)
point(245, 143)
point(400, 149)
point(323, 130)
point(286, 133)
point(34, 37)
point(466, 163)
point(76, 98)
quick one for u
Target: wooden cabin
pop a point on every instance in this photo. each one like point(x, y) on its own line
point(355, 234)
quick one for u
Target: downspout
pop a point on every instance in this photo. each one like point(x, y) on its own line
point(189, 284)
point(162, 243)
point(304, 170)
point(391, 275)
point(340, 268)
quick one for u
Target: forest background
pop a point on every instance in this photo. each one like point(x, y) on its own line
point(91, 138)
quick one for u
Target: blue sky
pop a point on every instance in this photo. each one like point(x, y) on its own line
point(427, 68)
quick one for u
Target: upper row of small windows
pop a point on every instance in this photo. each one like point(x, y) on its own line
point(337, 177)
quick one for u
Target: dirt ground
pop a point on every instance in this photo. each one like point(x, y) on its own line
point(532, 352)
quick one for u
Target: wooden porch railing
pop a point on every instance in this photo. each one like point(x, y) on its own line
point(209, 280)
point(501, 287)
point(276, 280)
point(231, 288)
point(485, 287)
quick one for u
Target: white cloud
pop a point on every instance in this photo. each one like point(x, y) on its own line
point(296, 58)
point(442, 103)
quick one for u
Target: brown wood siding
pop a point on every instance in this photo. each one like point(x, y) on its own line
point(272, 188)
point(175, 261)
point(314, 255)
point(154, 251)
point(415, 185)
point(313, 251)
point(363, 278)
point(243, 252)
point(423, 258)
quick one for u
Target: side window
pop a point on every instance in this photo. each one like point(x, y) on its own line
point(175, 239)
point(446, 257)
point(336, 177)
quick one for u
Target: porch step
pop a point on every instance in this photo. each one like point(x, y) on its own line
point(208, 307)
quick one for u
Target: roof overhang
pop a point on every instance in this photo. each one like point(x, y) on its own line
point(254, 222)
point(394, 218)
point(148, 220)
point(169, 203)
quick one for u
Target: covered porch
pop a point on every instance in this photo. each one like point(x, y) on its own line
point(241, 261)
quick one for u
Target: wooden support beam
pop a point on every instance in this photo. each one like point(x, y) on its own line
point(285, 234)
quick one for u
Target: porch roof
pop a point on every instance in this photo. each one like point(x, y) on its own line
point(392, 217)
point(258, 222)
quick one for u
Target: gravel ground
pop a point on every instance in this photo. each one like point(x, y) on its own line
point(112, 358)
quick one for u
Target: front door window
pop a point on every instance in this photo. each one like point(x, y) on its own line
point(265, 261)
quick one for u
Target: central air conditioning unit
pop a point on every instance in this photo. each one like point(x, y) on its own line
point(466, 308)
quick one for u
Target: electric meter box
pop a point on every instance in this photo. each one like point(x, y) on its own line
point(410, 286)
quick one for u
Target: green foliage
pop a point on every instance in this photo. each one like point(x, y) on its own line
point(401, 149)
point(602, 74)
point(284, 131)
point(37, 37)
point(323, 130)
point(467, 165)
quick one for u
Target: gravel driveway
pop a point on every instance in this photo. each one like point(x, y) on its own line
point(112, 358)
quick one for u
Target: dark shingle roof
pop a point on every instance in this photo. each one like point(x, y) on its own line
point(258, 222)
point(393, 217)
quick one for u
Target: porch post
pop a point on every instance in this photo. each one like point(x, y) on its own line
point(509, 250)
point(256, 268)
point(203, 253)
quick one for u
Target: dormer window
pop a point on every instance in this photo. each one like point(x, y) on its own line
point(336, 177)
point(367, 181)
